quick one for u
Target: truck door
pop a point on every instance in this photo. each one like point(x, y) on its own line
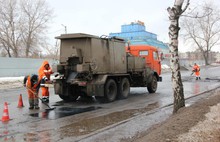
point(146, 55)
point(156, 62)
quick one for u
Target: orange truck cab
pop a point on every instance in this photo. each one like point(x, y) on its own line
point(150, 53)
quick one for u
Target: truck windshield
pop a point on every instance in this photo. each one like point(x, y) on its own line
point(143, 53)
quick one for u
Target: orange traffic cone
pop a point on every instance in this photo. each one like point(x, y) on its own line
point(5, 116)
point(20, 102)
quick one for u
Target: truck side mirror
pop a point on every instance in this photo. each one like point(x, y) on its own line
point(161, 56)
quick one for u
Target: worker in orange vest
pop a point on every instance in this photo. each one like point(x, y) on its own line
point(44, 75)
point(196, 70)
point(32, 84)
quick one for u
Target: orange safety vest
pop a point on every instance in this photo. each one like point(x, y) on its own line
point(196, 69)
point(44, 73)
point(28, 84)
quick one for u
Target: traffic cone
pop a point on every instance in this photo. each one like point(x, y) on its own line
point(5, 116)
point(20, 102)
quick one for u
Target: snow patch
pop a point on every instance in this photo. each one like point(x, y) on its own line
point(11, 79)
point(164, 66)
point(11, 82)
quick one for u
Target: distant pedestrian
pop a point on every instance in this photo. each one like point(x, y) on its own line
point(32, 84)
point(44, 75)
point(196, 70)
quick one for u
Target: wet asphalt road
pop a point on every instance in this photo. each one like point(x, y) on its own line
point(88, 120)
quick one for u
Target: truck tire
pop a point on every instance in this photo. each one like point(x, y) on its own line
point(152, 87)
point(70, 94)
point(68, 98)
point(123, 89)
point(110, 92)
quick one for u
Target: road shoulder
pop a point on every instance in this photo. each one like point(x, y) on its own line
point(181, 122)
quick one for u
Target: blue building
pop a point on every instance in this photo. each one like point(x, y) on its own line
point(136, 34)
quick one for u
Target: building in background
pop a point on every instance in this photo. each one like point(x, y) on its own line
point(189, 58)
point(136, 34)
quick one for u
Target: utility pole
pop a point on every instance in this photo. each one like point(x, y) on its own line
point(64, 28)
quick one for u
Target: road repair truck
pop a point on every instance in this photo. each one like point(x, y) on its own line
point(101, 67)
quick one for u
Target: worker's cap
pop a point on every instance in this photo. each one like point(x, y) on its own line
point(34, 78)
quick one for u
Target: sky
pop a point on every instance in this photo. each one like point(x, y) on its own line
point(99, 17)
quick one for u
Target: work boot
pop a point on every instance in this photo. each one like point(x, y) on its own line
point(45, 99)
point(31, 107)
point(36, 107)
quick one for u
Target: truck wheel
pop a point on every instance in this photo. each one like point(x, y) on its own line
point(68, 98)
point(152, 87)
point(123, 89)
point(65, 98)
point(100, 99)
point(110, 92)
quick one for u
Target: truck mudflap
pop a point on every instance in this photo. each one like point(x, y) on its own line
point(160, 79)
point(58, 86)
point(71, 76)
point(96, 87)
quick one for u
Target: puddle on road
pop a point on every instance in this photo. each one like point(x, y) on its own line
point(193, 79)
point(62, 112)
point(86, 126)
point(212, 79)
point(5, 134)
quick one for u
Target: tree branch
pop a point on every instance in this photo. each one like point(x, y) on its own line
point(184, 9)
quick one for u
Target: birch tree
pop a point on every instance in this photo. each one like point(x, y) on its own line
point(203, 31)
point(174, 14)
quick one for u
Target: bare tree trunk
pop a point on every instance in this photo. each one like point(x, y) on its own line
point(9, 54)
point(207, 58)
point(178, 93)
point(16, 53)
point(8, 51)
point(28, 46)
point(174, 15)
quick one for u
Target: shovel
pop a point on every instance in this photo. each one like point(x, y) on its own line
point(192, 72)
point(49, 108)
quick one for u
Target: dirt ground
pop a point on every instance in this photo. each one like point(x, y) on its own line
point(199, 122)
